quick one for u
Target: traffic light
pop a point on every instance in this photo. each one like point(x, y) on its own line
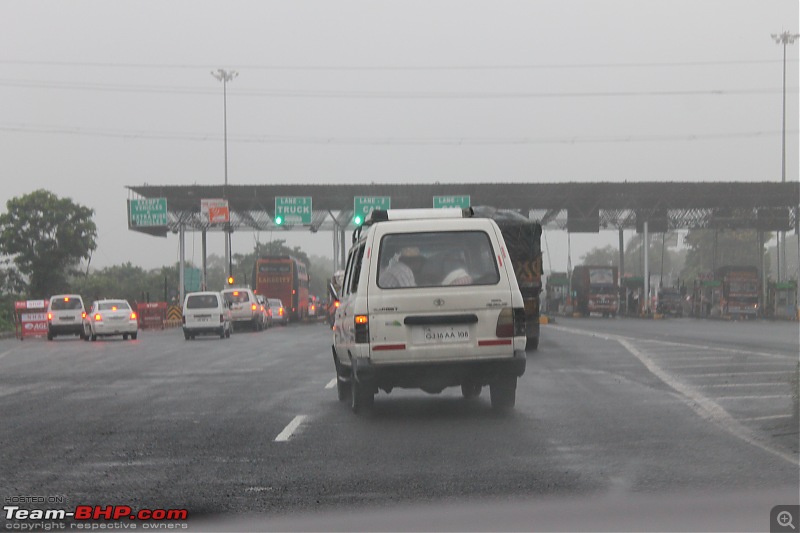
point(278, 220)
point(230, 280)
point(358, 220)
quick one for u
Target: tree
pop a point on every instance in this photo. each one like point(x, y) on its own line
point(47, 237)
point(608, 255)
point(710, 249)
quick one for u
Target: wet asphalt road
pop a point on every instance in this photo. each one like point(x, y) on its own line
point(251, 424)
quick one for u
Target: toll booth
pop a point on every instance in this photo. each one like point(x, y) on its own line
point(151, 315)
point(556, 292)
point(30, 318)
point(707, 298)
point(631, 300)
point(782, 300)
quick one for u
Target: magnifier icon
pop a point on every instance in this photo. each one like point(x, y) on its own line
point(785, 519)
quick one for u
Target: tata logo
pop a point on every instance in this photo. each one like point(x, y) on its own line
point(438, 302)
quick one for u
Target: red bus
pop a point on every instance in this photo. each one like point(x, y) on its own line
point(286, 278)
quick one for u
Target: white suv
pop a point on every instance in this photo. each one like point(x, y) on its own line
point(245, 309)
point(65, 315)
point(429, 300)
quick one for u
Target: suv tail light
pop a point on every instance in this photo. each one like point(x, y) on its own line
point(133, 316)
point(362, 329)
point(221, 318)
point(253, 307)
point(98, 317)
point(49, 316)
point(511, 322)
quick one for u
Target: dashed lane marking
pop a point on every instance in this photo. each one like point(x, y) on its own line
point(287, 432)
point(331, 384)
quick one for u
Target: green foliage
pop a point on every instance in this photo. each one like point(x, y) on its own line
point(608, 255)
point(634, 256)
point(129, 282)
point(46, 237)
point(320, 269)
point(710, 249)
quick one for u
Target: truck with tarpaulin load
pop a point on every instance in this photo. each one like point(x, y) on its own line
point(595, 290)
point(523, 239)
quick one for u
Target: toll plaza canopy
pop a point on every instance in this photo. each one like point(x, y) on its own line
point(576, 207)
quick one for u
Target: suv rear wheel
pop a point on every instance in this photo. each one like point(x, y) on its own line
point(362, 398)
point(503, 393)
point(470, 390)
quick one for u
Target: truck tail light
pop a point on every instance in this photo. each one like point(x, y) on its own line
point(511, 322)
point(221, 318)
point(362, 329)
point(253, 307)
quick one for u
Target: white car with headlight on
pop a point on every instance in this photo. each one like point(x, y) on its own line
point(111, 317)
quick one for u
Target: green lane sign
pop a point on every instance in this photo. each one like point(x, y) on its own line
point(147, 212)
point(293, 210)
point(451, 201)
point(363, 206)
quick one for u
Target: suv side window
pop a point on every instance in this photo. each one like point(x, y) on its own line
point(358, 256)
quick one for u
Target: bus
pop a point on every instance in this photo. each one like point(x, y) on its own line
point(283, 277)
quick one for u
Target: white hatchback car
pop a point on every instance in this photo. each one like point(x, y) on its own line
point(111, 317)
point(429, 300)
point(206, 313)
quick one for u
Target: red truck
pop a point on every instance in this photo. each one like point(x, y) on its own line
point(595, 289)
point(740, 291)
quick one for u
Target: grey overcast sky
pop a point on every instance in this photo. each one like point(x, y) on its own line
point(98, 95)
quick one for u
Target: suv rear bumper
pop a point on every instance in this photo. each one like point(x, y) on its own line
point(66, 329)
point(433, 377)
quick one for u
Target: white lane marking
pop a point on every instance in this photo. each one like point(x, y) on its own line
point(284, 435)
point(770, 417)
point(754, 397)
point(717, 348)
point(703, 406)
point(331, 384)
point(730, 363)
point(731, 374)
point(762, 384)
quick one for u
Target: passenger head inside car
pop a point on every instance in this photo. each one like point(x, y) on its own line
point(402, 269)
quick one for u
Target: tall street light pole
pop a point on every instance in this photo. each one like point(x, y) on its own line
point(784, 39)
point(225, 76)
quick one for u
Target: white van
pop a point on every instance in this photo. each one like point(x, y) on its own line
point(429, 300)
point(206, 313)
point(65, 316)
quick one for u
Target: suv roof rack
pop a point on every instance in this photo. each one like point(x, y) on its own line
point(384, 215)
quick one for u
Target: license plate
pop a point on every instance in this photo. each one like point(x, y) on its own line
point(440, 334)
point(67, 318)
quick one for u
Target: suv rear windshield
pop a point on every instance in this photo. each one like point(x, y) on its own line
point(236, 296)
point(436, 259)
point(202, 301)
point(62, 305)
